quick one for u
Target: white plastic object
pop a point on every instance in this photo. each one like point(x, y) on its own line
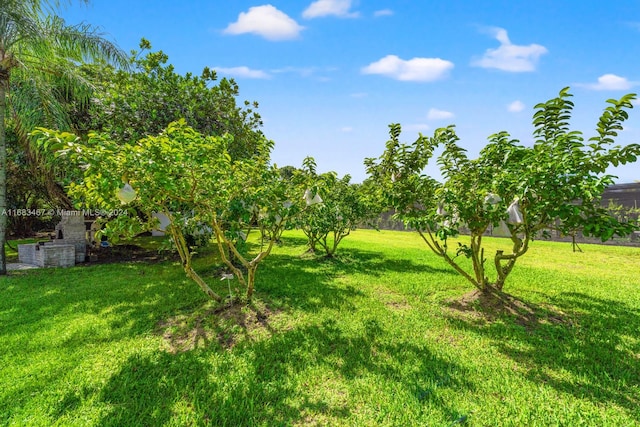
point(515, 215)
point(126, 194)
point(492, 199)
point(311, 200)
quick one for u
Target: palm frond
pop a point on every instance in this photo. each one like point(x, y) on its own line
point(35, 101)
point(43, 56)
point(17, 23)
point(83, 43)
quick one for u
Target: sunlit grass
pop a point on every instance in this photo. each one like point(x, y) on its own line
point(378, 336)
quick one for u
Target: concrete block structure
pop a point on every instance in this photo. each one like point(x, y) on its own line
point(71, 230)
point(47, 255)
point(68, 247)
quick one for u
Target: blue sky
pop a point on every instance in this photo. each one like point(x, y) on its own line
point(331, 75)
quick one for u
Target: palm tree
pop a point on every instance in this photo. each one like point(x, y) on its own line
point(39, 55)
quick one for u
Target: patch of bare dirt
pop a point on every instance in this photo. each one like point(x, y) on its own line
point(393, 300)
point(398, 305)
point(487, 307)
point(126, 252)
point(226, 325)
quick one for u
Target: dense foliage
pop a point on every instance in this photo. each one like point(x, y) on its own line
point(336, 207)
point(39, 57)
point(132, 104)
point(188, 177)
point(555, 184)
point(25, 190)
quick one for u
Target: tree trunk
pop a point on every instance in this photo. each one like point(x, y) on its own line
point(203, 285)
point(251, 277)
point(3, 175)
point(185, 256)
point(312, 243)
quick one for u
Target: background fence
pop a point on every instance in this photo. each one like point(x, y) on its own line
point(622, 199)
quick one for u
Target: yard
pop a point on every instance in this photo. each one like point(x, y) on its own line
point(386, 334)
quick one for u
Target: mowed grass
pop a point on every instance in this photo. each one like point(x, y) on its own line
point(380, 336)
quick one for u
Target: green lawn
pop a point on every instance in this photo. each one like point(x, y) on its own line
point(380, 336)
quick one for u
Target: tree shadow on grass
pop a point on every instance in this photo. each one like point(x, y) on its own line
point(210, 323)
point(128, 300)
point(376, 264)
point(275, 381)
point(578, 344)
point(92, 306)
point(351, 260)
point(312, 283)
point(128, 296)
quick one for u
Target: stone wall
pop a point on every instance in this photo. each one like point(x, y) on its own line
point(47, 255)
point(71, 230)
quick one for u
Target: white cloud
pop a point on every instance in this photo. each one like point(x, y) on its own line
point(243, 72)
point(515, 107)
point(265, 21)
point(383, 12)
point(435, 114)
point(320, 8)
point(416, 69)
point(510, 57)
point(346, 129)
point(609, 82)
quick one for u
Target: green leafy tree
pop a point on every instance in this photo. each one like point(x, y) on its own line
point(24, 189)
point(39, 52)
point(556, 183)
point(287, 172)
point(340, 207)
point(130, 104)
point(188, 177)
point(346, 207)
point(306, 184)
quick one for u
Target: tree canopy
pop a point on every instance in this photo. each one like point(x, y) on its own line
point(335, 208)
point(188, 177)
point(39, 58)
point(555, 184)
point(141, 101)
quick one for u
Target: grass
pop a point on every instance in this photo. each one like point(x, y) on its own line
point(380, 336)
